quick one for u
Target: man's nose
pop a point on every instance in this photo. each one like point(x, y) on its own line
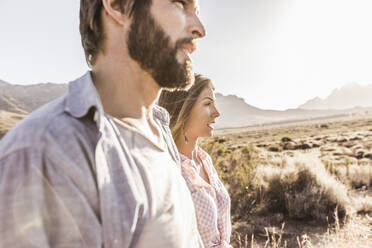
point(196, 27)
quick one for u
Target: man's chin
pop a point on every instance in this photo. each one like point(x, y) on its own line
point(183, 81)
point(190, 82)
point(185, 85)
point(190, 76)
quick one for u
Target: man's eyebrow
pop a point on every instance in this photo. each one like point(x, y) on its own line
point(196, 6)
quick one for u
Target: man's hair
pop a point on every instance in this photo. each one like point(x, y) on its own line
point(91, 31)
point(179, 103)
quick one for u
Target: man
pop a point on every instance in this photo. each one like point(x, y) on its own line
point(98, 167)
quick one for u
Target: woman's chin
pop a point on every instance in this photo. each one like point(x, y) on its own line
point(209, 134)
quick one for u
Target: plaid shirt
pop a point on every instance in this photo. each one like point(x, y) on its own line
point(212, 201)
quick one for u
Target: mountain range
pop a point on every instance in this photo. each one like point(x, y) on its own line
point(349, 96)
point(235, 112)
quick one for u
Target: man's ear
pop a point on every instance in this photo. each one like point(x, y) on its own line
point(112, 9)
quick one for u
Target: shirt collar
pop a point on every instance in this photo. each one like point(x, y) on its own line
point(200, 152)
point(82, 96)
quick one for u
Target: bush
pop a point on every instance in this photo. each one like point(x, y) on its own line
point(303, 146)
point(356, 176)
point(274, 149)
point(301, 189)
point(286, 139)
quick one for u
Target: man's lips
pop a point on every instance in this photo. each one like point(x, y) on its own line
point(186, 53)
point(188, 49)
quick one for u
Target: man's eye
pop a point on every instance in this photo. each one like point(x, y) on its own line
point(181, 3)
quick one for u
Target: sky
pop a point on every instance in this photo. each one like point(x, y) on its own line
point(276, 54)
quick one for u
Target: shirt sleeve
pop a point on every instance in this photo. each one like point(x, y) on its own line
point(43, 206)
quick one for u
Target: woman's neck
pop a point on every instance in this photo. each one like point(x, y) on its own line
point(187, 148)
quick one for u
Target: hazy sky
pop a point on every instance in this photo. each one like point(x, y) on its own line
point(274, 53)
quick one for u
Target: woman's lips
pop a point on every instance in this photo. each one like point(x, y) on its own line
point(210, 125)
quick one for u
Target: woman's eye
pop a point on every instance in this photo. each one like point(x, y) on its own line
point(182, 4)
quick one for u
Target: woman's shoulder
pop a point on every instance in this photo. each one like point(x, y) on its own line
point(203, 154)
point(190, 174)
point(208, 162)
point(186, 166)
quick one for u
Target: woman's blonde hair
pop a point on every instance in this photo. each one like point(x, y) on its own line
point(179, 103)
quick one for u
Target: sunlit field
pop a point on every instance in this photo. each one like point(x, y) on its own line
point(304, 185)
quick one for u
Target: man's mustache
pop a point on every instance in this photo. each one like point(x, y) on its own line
point(183, 41)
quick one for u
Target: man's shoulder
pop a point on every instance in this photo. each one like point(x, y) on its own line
point(49, 124)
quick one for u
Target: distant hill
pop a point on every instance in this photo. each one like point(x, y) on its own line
point(350, 96)
point(3, 82)
point(24, 99)
point(235, 112)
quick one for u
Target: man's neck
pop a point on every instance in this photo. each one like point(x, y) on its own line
point(126, 91)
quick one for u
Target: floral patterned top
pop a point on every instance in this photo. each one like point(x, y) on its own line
point(211, 201)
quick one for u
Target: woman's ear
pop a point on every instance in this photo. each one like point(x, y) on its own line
point(113, 10)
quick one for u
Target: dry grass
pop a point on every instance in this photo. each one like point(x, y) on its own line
point(8, 120)
point(301, 189)
point(356, 233)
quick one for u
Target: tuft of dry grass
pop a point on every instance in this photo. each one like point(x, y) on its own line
point(8, 120)
point(356, 176)
point(300, 188)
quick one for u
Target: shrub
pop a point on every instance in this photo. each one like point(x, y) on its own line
point(303, 146)
point(301, 189)
point(356, 176)
point(274, 149)
point(286, 139)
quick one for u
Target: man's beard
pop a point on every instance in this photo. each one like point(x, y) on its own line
point(150, 46)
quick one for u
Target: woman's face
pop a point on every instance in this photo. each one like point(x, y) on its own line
point(203, 114)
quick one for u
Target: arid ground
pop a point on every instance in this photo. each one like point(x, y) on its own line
point(298, 185)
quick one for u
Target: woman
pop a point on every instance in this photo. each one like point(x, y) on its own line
point(192, 115)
